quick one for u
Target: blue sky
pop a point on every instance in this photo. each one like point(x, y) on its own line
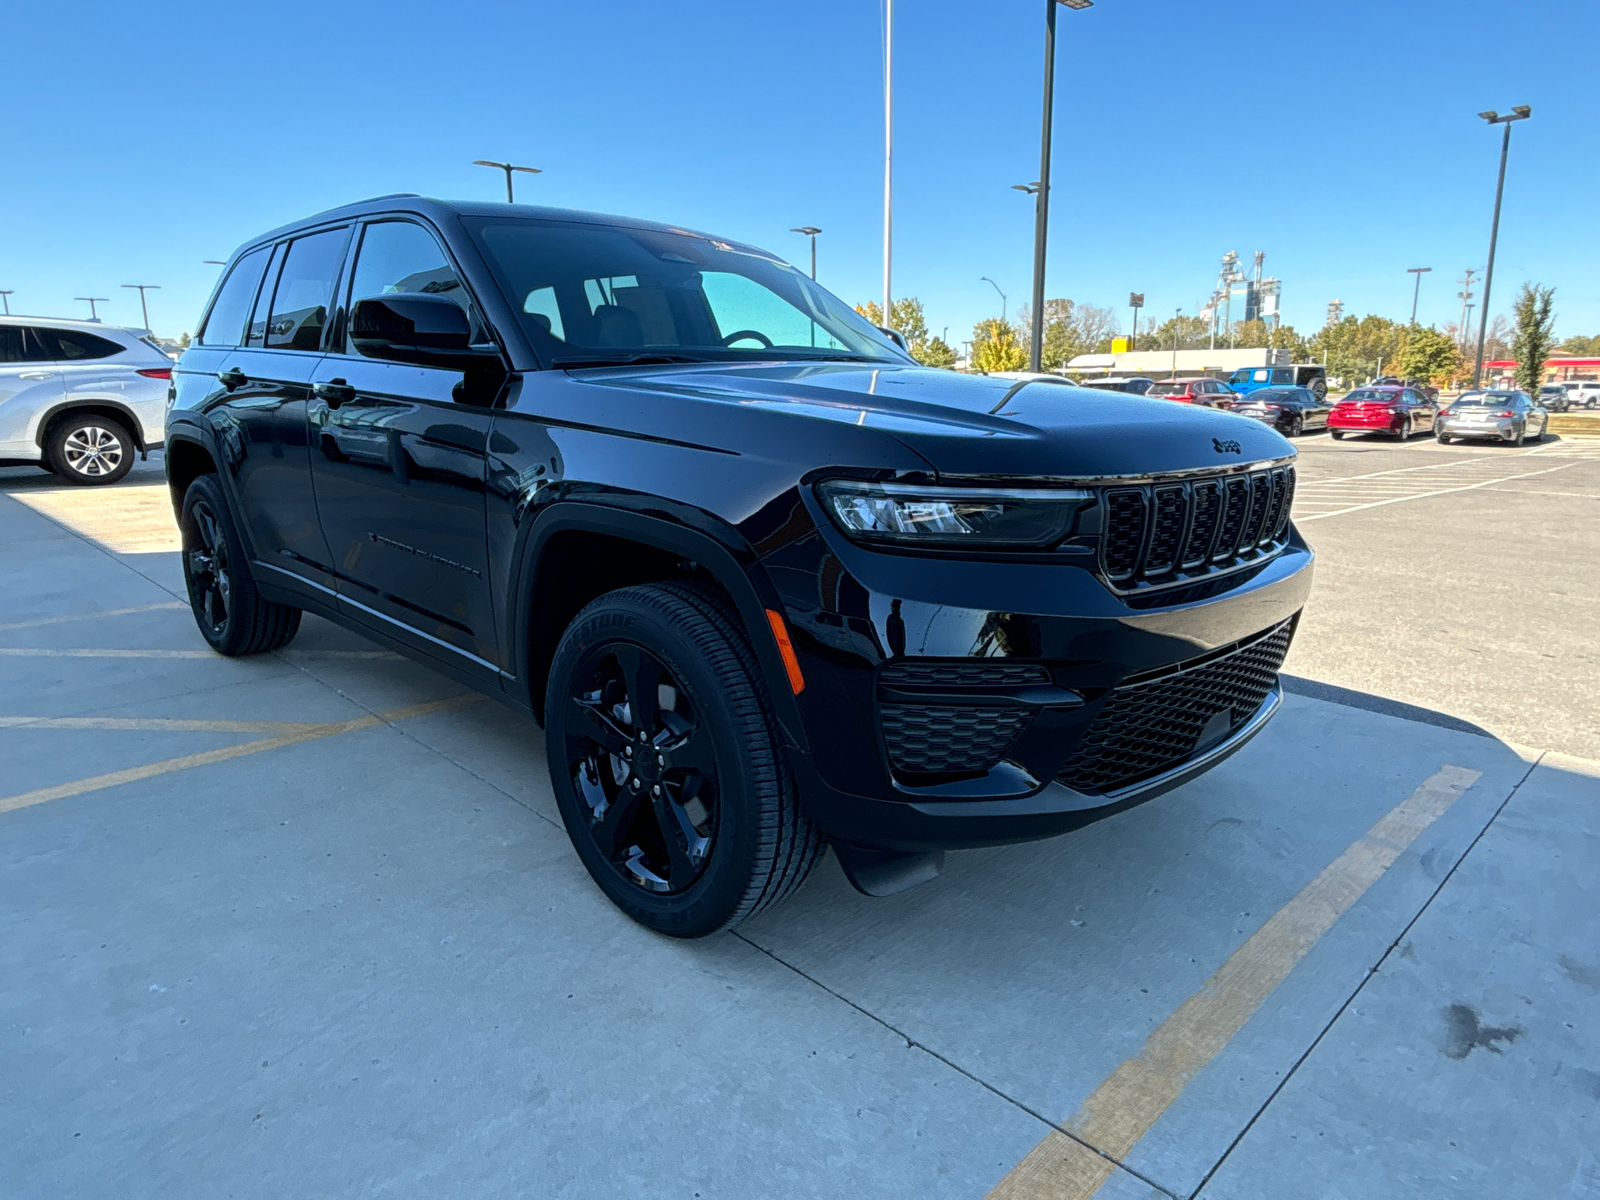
point(1339, 138)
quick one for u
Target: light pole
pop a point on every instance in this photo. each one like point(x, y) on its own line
point(1520, 113)
point(1465, 295)
point(1175, 315)
point(1416, 292)
point(996, 287)
point(1135, 302)
point(144, 287)
point(507, 168)
point(94, 313)
point(1041, 223)
point(811, 232)
point(5, 298)
point(888, 155)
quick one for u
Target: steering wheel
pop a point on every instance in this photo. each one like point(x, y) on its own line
point(740, 335)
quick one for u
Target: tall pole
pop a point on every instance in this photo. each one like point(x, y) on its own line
point(1522, 112)
point(507, 168)
point(1178, 313)
point(5, 298)
point(888, 154)
point(1466, 306)
point(1041, 200)
point(1416, 292)
point(811, 232)
point(94, 313)
point(143, 308)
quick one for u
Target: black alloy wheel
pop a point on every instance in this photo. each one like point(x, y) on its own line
point(667, 764)
point(90, 450)
point(1296, 425)
point(233, 617)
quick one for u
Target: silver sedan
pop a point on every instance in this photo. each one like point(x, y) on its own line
point(1504, 416)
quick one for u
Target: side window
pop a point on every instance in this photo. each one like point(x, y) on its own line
point(305, 290)
point(11, 344)
point(74, 345)
point(399, 256)
point(256, 335)
point(19, 343)
point(1282, 377)
point(231, 309)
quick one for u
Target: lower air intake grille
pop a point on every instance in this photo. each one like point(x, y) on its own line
point(929, 740)
point(1146, 728)
point(964, 672)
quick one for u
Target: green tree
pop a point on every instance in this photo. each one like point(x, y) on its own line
point(1536, 320)
point(911, 323)
point(1430, 355)
point(996, 347)
point(934, 353)
point(1354, 347)
point(1583, 347)
point(1190, 333)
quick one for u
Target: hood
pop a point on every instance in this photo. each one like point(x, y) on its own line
point(979, 425)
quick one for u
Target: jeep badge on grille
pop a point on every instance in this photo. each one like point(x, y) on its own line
point(1228, 447)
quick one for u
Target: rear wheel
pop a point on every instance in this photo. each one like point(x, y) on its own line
point(90, 450)
point(1296, 426)
point(1441, 437)
point(232, 615)
point(667, 764)
point(1404, 433)
point(1338, 434)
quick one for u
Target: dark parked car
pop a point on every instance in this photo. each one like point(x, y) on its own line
point(1394, 410)
point(767, 583)
point(1505, 416)
point(1133, 385)
point(1554, 397)
point(1212, 393)
point(1291, 411)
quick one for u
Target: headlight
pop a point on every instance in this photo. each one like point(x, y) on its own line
point(950, 516)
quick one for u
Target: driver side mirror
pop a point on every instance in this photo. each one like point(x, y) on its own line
point(418, 328)
point(895, 336)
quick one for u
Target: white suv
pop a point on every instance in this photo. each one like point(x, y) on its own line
point(79, 398)
point(1583, 394)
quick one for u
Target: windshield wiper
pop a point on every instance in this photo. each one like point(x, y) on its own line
point(630, 360)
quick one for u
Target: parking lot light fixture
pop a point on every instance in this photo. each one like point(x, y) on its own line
point(1416, 292)
point(811, 232)
point(94, 313)
point(1520, 113)
point(5, 298)
point(996, 287)
point(144, 308)
point(1041, 208)
point(508, 168)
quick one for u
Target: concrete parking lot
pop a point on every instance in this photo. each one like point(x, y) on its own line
point(308, 924)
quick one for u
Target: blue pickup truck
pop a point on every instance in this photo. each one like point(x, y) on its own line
point(1306, 375)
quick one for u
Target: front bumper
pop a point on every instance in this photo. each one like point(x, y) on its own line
point(852, 610)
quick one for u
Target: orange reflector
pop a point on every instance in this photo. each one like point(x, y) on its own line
point(791, 664)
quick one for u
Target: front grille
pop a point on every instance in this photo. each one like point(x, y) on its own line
point(1154, 535)
point(1147, 727)
point(932, 739)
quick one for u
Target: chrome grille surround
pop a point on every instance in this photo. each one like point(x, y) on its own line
point(1169, 530)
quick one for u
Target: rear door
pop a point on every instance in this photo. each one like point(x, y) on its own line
point(93, 368)
point(30, 385)
point(399, 464)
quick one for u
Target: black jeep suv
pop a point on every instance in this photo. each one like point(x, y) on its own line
point(767, 583)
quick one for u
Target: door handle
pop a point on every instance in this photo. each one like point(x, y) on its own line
point(35, 375)
point(232, 378)
point(335, 392)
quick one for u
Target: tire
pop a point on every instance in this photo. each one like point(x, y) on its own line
point(1441, 437)
point(1522, 436)
point(675, 868)
point(234, 618)
point(1297, 426)
point(89, 450)
point(1404, 433)
point(1319, 389)
point(1338, 434)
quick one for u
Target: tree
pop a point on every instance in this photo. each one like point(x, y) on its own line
point(1070, 329)
point(995, 347)
point(1536, 320)
point(1429, 354)
point(1354, 347)
point(1582, 347)
point(1191, 333)
point(910, 323)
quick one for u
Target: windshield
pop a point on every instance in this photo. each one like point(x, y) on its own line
point(1484, 399)
point(591, 294)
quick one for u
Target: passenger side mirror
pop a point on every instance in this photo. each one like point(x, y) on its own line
point(419, 328)
point(895, 336)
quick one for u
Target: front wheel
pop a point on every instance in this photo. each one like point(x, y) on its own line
point(234, 618)
point(667, 763)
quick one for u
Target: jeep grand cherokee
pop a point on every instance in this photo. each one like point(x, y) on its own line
point(767, 583)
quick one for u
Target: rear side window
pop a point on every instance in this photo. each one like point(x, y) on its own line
point(231, 309)
point(74, 345)
point(305, 290)
point(1283, 377)
point(19, 343)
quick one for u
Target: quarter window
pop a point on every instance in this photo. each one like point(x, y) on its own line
point(231, 309)
point(305, 289)
point(74, 345)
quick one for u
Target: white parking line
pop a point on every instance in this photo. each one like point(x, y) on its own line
point(89, 616)
point(1336, 498)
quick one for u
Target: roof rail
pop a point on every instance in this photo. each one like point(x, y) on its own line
point(387, 196)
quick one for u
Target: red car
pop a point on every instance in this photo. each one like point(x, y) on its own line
point(1210, 392)
point(1396, 411)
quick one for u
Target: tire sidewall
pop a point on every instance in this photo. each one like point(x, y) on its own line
point(208, 489)
point(710, 902)
point(57, 454)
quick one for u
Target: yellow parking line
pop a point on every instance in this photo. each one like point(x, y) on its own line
point(110, 612)
point(156, 724)
point(1133, 1097)
point(308, 734)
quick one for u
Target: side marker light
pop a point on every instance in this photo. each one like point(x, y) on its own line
point(791, 664)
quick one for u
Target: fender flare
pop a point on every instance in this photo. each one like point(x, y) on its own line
point(130, 418)
point(716, 547)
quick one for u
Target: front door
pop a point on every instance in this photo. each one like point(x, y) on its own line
point(30, 385)
point(398, 460)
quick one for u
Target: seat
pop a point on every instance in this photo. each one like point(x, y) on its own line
point(618, 328)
